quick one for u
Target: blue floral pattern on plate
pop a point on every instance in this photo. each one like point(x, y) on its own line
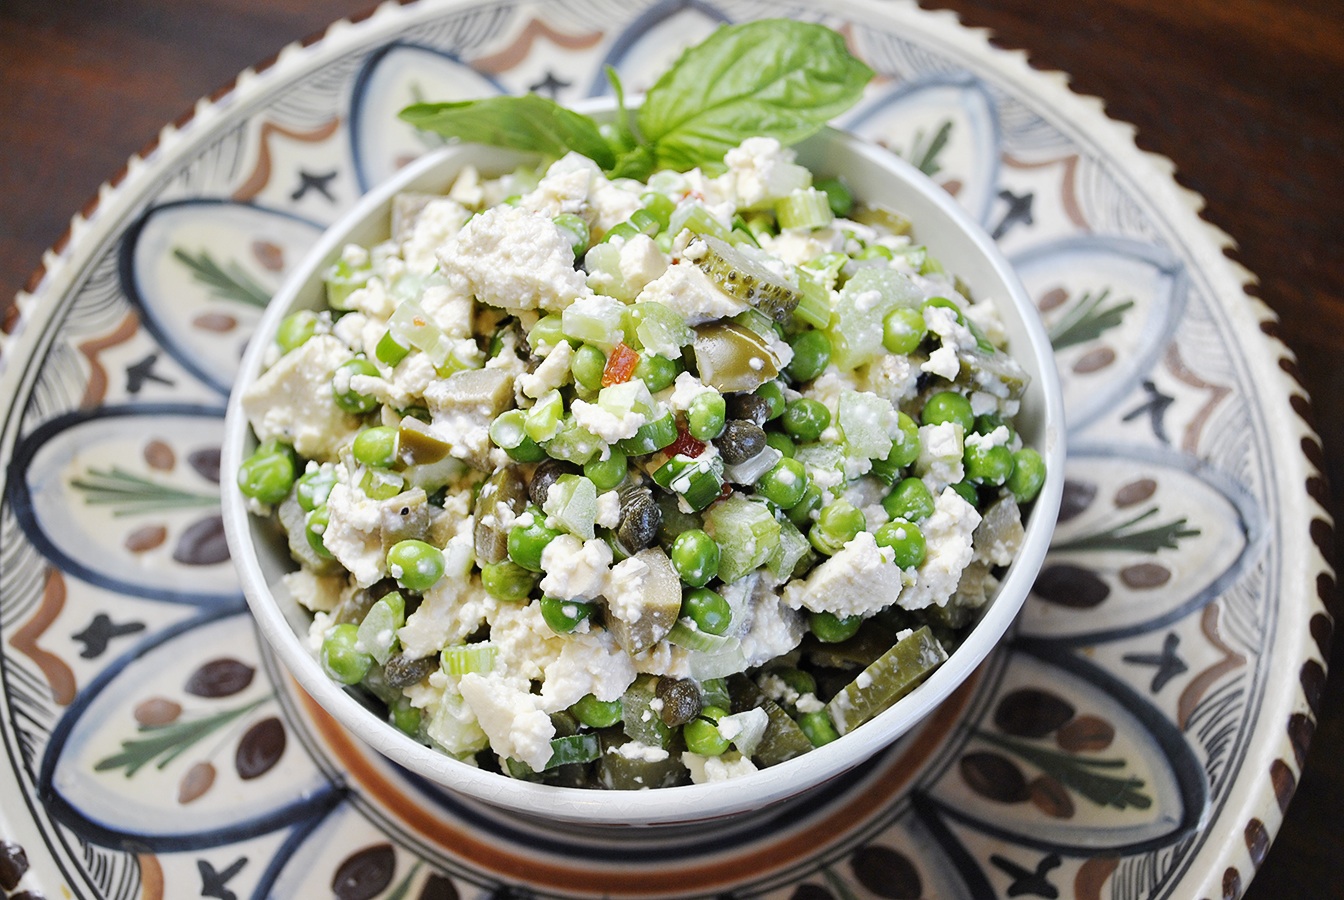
point(158, 748)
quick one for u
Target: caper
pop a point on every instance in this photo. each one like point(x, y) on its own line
point(750, 407)
point(548, 470)
point(640, 519)
point(741, 440)
point(680, 698)
point(403, 670)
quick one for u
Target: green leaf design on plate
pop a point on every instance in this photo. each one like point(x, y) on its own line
point(1088, 320)
point(1144, 540)
point(165, 743)
point(134, 494)
point(231, 283)
point(1080, 773)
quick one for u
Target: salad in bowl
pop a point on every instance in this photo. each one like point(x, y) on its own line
point(641, 460)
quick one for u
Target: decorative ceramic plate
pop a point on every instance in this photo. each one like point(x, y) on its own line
point(1138, 736)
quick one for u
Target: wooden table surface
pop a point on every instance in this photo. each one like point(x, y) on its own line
point(1245, 96)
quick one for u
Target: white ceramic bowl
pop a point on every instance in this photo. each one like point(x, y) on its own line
point(876, 176)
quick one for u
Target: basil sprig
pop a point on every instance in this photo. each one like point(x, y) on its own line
point(770, 78)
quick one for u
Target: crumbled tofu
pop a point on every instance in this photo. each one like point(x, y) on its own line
point(513, 259)
point(691, 293)
point(711, 769)
point(553, 372)
point(762, 171)
point(940, 451)
point(947, 539)
point(575, 570)
point(641, 262)
point(292, 401)
point(319, 593)
point(589, 663)
point(511, 716)
point(860, 579)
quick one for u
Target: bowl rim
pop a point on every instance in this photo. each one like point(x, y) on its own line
point(681, 803)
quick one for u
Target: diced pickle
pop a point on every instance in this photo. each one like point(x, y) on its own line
point(731, 357)
point(783, 739)
point(660, 606)
point(507, 487)
point(891, 677)
point(636, 771)
point(640, 719)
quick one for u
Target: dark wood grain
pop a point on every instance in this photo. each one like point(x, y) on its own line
point(1245, 96)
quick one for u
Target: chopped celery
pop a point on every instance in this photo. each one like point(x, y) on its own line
point(747, 534)
point(572, 501)
point(410, 326)
point(861, 306)
point(574, 443)
point(652, 436)
point(893, 675)
point(793, 548)
point(750, 471)
point(745, 729)
point(685, 635)
point(595, 320)
point(390, 350)
point(659, 328)
point(461, 659)
point(692, 215)
point(377, 634)
point(867, 421)
point(543, 419)
point(453, 727)
point(814, 306)
point(804, 208)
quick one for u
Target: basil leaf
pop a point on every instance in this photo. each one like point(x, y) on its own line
point(529, 123)
point(770, 78)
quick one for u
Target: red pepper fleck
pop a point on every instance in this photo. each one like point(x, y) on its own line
point(685, 444)
point(620, 365)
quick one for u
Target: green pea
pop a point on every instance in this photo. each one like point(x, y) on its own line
point(905, 445)
point(346, 397)
point(376, 446)
point(781, 442)
point(526, 542)
point(695, 556)
point(903, 330)
point(660, 206)
point(818, 727)
point(607, 473)
point(707, 609)
point(967, 492)
point(597, 713)
point(404, 717)
point(313, 487)
point(527, 451)
point(838, 195)
point(905, 540)
point(987, 465)
point(295, 329)
point(797, 680)
point(416, 565)
point(564, 615)
point(576, 229)
point(836, 526)
point(909, 499)
point(340, 660)
point(381, 484)
point(268, 474)
point(314, 526)
point(702, 733)
point(773, 395)
point(986, 423)
point(587, 365)
point(707, 415)
point(784, 483)
point(506, 580)
point(948, 406)
point(811, 355)
point(832, 629)
point(1028, 475)
point(657, 372)
point(805, 419)
point(546, 333)
point(800, 514)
